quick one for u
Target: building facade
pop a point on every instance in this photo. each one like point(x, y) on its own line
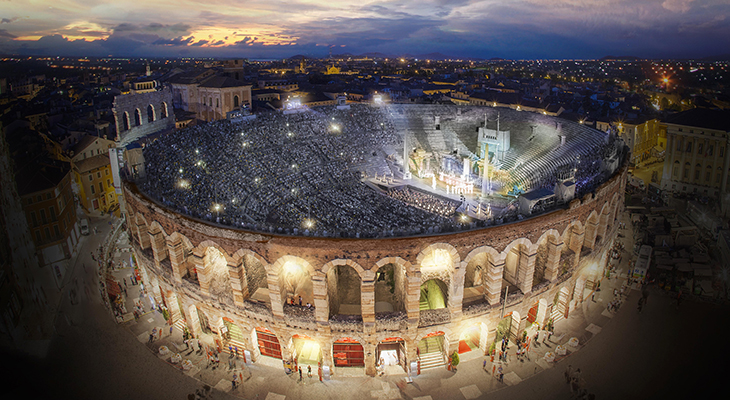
point(369, 301)
point(697, 159)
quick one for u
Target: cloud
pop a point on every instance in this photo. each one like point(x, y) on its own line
point(4, 34)
point(9, 20)
point(178, 41)
point(679, 6)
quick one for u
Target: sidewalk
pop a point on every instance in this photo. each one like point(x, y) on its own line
point(268, 379)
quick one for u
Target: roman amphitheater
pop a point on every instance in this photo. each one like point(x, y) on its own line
point(300, 236)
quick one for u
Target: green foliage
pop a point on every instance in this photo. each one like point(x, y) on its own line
point(455, 359)
point(165, 314)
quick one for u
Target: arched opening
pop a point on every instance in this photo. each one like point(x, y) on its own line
point(137, 117)
point(216, 269)
point(258, 287)
point(475, 279)
point(268, 343)
point(343, 283)
point(233, 336)
point(125, 120)
point(150, 113)
point(235, 101)
point(391, 355)
point(434, 295)
point(203, 320)
point(506, 329)
point(306, 351)
point(390, 288)
point(532, 312)
point(470, 338)
point(163, 110)
point(431, 351)
point(296, 283)
point(560, 306)
point(348, 352)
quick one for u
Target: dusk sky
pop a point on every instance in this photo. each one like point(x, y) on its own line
point(519, 29)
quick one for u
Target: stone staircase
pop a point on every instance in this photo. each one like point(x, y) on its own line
point(431, 352)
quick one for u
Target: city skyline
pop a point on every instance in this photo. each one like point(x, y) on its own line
point(524, 29)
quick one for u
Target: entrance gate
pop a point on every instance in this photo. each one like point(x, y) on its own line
point(268, 343)
point(391, 351)
point(347, 352)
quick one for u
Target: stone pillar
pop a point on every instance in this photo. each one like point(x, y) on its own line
point(493, 284)
point(156, 294)
point(591, 230)
point(602, 226)
point(173, 306)
point(367, 303)
point(456, 294)
point(321, 299)
point(541, 312)
point(177, 259)
point(413, 296)
point(552, 264)
point(143, 236)
point(239, 286)
point(277, 305)
point(157, 242)
point(193, 321)
point(526, 269)
point(369, 358)
point(576, 244)
point(578, 291)
point(198, 259)
point(327, 358)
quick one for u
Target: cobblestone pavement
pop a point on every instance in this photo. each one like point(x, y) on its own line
point(664, 352)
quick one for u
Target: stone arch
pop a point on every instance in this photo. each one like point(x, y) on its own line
point(236, 101)
point(604, 215)
point(150, 113)
point(252, 274)
point(216, 274)
point(391, 284)
point(441, 261)
point(163, 110)
point(143, 236)
point(137, 117)
point(547, 258)
point(477, 279)
point(519, 264)
point(291, 277)
point(125, 121)
point(344, 286)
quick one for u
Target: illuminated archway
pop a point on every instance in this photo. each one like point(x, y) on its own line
point(433, 295)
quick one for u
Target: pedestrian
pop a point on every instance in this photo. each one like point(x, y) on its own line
point(230, 350)
point(187, 344)
point(300, 301)
point(151, 338)
point(125, 283)
point(484, 364)
point(309, 371)
point(235, 349)
point(537, 336)
point(501, 374)
point(171, 326)
point(568, 373)
point(233, 381)
point(300, 371)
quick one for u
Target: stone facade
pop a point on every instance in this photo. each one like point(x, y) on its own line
point(546, 261)
point(138, 115)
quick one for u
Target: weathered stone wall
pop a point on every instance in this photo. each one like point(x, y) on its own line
point(365, 256)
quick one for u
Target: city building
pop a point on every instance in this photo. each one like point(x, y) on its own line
point(208, 95)
point(697, 159)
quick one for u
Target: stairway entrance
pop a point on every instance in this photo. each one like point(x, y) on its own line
point(431, 351)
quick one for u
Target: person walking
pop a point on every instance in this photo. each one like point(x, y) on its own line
point(309, 371)
point(568, 373)
point(300, 374)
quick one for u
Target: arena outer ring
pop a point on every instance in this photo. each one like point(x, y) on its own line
point(576, 240)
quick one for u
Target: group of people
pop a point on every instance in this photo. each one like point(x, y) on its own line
point(276, 172)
